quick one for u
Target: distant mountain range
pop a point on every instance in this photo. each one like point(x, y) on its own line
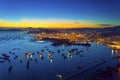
point(96, 29)
point(105, 32)
point(10, 29)
point(114, 31)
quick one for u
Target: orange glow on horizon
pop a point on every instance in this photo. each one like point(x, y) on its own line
point(47, 24)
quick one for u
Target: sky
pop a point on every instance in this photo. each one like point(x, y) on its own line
point(59, 13)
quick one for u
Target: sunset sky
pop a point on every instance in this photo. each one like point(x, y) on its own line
point(59, 13)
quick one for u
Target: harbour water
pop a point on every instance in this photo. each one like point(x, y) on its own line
point(80, 64)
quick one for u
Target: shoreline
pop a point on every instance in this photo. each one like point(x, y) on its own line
point(58, 42)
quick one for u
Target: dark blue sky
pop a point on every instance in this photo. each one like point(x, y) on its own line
point(98, 11)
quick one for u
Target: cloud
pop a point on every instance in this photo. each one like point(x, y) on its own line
point(76, 22)
point(105, 24)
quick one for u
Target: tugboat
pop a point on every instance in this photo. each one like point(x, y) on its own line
point(59, 77)
point(41, 56)
point(70, 54)
point(50, 55)
point(28, 55)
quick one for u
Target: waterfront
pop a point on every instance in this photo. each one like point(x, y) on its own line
point(81, 63)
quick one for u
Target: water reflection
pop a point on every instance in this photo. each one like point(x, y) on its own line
point(36, 60)
point(112, 53)
point(51, 60)
point(28, 64)
point(116, 53)
point(10, 68)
